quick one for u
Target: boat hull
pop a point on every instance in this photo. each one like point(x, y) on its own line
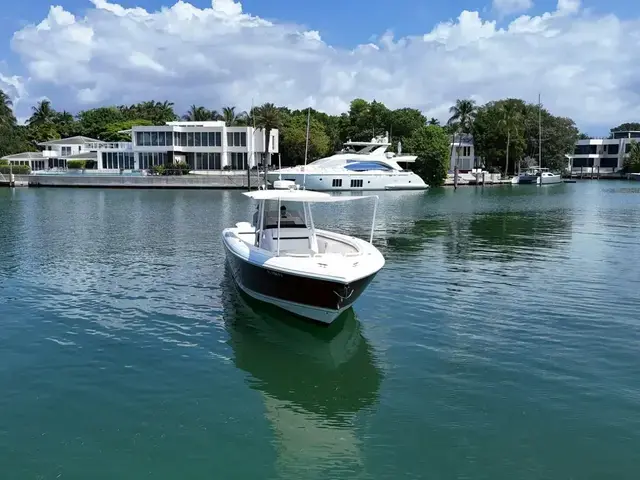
point(315, 299)
point(536, 180)
point(341, 182)
point(551, 180)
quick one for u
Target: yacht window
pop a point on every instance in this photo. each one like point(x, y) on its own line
point(360, 166)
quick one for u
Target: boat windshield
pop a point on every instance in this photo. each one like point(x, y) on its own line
point(290, 213)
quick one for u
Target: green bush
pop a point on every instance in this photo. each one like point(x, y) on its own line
point(76, 164)
point(16, 169)
point(181, 168)
point(159, 169)
point(4, 162)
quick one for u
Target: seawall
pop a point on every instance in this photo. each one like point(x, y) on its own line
point(222, 181)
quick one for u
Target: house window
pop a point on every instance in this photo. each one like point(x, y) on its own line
point(214, 161)
point(190, 139)
point(66, 151)
point(243, 139)
point(337, 182)
point(238, 160)
point(355, 183)
point(138, 138)
point(218, 139)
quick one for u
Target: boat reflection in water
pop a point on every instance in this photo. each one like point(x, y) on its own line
point(314, 380)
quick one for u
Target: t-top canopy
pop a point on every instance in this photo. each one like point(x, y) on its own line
point(302, 196)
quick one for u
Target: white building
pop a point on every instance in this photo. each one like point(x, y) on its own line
point(206, 147)
point(463, 153)
point(602, 154)
point(55, 154)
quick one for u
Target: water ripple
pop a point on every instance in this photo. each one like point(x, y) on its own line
point(499, 341)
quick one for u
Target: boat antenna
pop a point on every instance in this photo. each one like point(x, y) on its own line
point(306, 150)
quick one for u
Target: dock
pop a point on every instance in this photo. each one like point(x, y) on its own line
point(222, 180)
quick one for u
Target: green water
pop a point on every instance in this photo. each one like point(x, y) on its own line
point(500, 341)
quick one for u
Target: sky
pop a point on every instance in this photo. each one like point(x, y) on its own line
point(581, 56)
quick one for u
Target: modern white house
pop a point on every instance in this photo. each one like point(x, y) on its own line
point(462, 153)
point(207, 147)
point(605, 155)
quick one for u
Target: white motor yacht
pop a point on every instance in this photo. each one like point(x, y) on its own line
point(358, 166)
point(282, 259)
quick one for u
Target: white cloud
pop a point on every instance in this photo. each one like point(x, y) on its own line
point(507, 7)
point(586, 66)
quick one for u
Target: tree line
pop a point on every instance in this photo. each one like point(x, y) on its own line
point(505, 132)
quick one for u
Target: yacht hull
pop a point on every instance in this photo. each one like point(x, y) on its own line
point(317, 299)
point(341, 182)
point(536, 180)
point(550, 180)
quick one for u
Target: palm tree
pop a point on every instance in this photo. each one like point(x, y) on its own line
point(43, 114)
point(215, 115)
point(433, 121)
point(6, 112)
point(511, 119)
point(197, 114)
point(267, 117)
point(463, 114)
point(632, 161)
point(64, 123)
point(232, 118)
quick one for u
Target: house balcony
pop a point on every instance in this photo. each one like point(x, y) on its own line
point(120, 146)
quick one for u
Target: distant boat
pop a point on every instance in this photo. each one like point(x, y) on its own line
point(538, 175)
point(282, 259)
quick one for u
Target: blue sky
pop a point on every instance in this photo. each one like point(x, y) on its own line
point(568, 55)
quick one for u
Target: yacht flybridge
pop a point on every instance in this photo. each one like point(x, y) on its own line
point(358, 166)
point(282, 259)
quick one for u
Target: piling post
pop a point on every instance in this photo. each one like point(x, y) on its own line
point(455, 177)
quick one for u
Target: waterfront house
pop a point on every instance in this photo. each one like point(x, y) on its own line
point(207, 147)
point(605, 155)
point(463, 154)
point(54, 155)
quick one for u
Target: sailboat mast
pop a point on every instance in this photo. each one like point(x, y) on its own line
point(539, 132)
point(306, 149)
